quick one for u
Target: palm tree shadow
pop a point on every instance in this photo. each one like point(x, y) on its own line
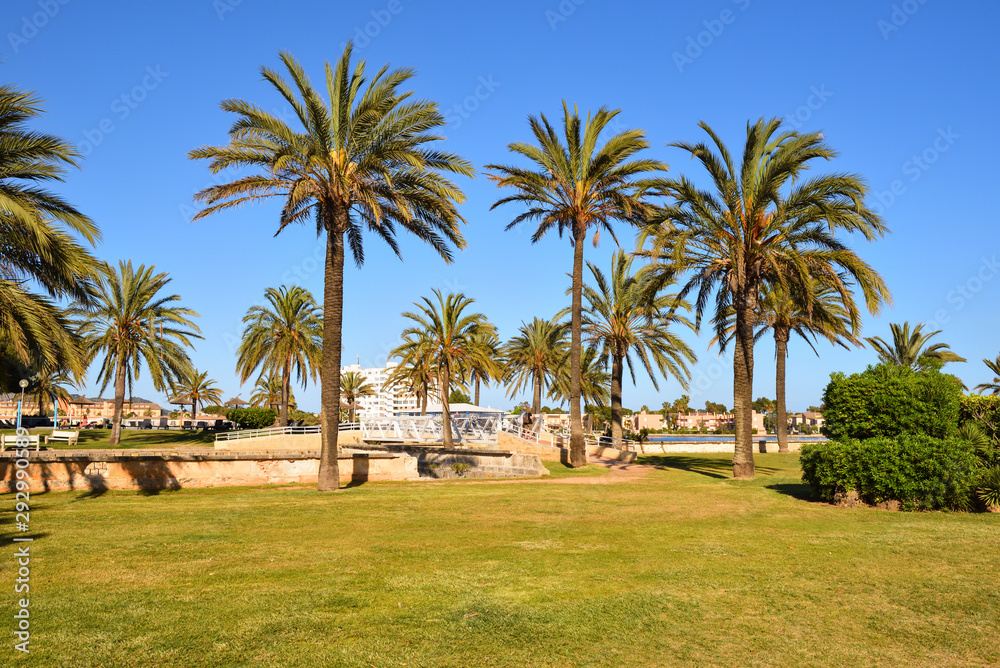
point(711, 468)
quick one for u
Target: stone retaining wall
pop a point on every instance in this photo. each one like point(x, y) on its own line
point(668, 448)
point(435, 462)
point(100, 470)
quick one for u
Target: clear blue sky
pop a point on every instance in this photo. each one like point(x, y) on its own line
point(906, 91)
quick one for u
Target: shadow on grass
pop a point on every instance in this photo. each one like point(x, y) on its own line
point(796, 490)
point(712, 467)
point(9, 540)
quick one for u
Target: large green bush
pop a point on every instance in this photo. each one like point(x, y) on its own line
point(888, 400)
point(921, 472)
point(252, 418)
point(984, 411)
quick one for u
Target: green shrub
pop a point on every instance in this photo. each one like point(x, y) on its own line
point(252, 418)
point(308, 419)
point(988, 486)
point(887, 400)
point(984, 411)
point(921, 472)
point(214, 410)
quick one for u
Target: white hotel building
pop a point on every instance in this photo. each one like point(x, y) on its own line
point(385, 402)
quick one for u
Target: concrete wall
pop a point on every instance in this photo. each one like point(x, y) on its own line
point(664, 447)
point(102, 470)
point(288, 442)
point(549, 453)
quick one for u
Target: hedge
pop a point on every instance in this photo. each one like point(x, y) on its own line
point(252, 418)
point(983, 410)
point(921, 472)
point(887, 400)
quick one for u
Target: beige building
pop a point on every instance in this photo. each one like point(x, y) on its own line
point(811, 418)
point(716, 421)
point(644, 420)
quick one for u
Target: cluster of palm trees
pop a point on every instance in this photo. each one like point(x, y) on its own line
point(760, 247)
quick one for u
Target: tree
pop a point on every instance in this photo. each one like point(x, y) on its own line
point(415, 370)
point(359, 161)
point(47, 385)
point(763, 405)
point(39, 247)
point(533, 358)
point(130, 322)
point(994, 387)
point(911, 349)
point(267, 393)
point(458, 397)
point(624, 318)
point(285, 337)
point(594, 380)
point(712, 407)
point(762, 222)
point(197, 388)
point(578, 188)
point(819, 311)
point(488, 367)
point(454, 342)
point(353, 385)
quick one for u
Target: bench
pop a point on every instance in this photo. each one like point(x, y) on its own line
point(70, 437)
point(10, 440)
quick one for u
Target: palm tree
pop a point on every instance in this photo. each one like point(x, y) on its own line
point(285, 337)
point(267, 393)
point(47, 385)
point(130, 322)
point(994, 387)
point(455, 343)
point(38, 231)
point(594, 380)
point(762, 223)
point(486, 368)
point(911, 349)
point(784, 312)
point(623, 317)
point(415, 371)
point(359, 161)
point(534, 357)
point(354, 385)
point(578, 187)
point(197, 388)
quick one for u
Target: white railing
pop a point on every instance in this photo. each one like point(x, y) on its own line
point(430, 429)
point(244, 434)
point(560, 437)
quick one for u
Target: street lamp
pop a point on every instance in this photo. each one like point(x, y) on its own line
point(23, 384)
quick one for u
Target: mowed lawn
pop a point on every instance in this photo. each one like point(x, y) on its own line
point(681, 567)
point(97, 439)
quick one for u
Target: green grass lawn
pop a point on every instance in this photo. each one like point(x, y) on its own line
point(97, 439)
point(681, 567)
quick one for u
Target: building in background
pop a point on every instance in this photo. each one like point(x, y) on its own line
point(386, 402)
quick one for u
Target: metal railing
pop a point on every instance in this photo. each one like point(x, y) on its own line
point(430, 429)
point(244, 434)
point(560, 437)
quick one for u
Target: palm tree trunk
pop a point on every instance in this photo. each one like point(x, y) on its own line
point(116, 422)
point(423, 400)
point(476, 400)
point(445, 380)
point(285, 381)
point(617, 370)
point(536, 399)
point(781, 352)
point(743, 466)
point(328, 478)
point(577, 447)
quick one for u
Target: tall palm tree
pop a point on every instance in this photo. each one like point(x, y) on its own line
point(267, 393)
point(197, 388)
point(819, 312)
point(39, 232)
point(415, 371)
point(534, 357)
point(623, 317)
point(285, 337)
point(763, 222)
point(359, 161)
point(354, 385)
point(910, 348)
point(455, 342)
point(48, 385)
point(594, 380)
point(130, 322)
point(577, 188)
point(994, 387)
point(485, 368)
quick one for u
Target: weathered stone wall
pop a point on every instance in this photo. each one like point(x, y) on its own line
point(103, 470)
point(436, 462)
